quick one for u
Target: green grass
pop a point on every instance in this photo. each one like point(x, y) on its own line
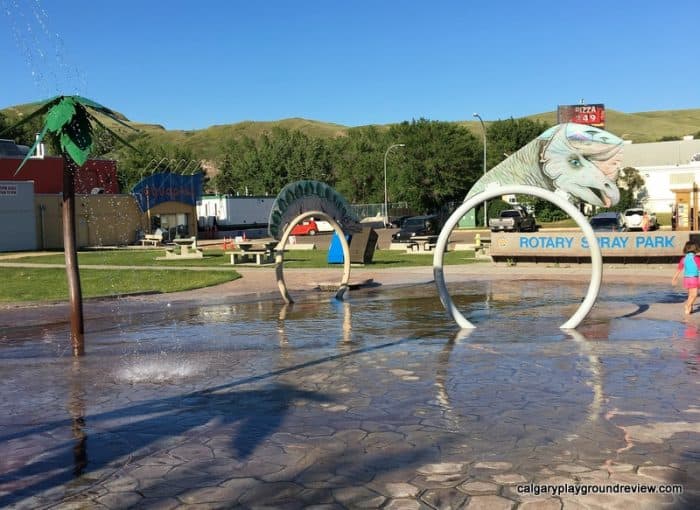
point(49, 284)
point(130, 258)
point(381, 259)
point(216, 258)
point(567, 223)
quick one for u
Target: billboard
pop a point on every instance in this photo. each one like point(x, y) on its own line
point(589, 114)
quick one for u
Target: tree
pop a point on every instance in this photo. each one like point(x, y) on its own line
point(357, 164)
point(69, 120)
point(442, 162)
point(504, 137)
point(151, 158)
point(279, 157)
point(21, 133)
point(631, 186)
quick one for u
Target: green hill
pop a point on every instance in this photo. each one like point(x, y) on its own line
point(639, 127)
point(207, 141)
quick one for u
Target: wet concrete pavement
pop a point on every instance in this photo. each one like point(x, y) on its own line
point(225, 398)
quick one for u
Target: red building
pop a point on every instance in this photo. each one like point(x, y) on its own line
point(47, 174)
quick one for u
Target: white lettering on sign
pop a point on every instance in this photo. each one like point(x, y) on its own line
point(8, 189)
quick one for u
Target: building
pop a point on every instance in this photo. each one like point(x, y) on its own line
point(31, 202)
point(234, 212)
point(671, 172)
point(95, 176)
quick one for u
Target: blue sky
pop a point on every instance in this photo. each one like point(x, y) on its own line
point(190, 65)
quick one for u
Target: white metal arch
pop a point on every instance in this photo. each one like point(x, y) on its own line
point(558, 200)
point(279, 254)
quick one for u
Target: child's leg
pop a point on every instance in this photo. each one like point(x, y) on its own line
point(692, 295)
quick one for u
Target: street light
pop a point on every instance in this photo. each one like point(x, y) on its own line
point(386, 195)
point(483, 128)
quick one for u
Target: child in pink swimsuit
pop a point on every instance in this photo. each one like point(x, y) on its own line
point(689, 265)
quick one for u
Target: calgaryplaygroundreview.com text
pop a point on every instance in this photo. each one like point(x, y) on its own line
point(586, 489)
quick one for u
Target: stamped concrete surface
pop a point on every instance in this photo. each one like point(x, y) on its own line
point(227, 398)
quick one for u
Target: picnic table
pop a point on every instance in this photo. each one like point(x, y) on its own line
point(263, 253)
point(421, 244)
point(183, 248)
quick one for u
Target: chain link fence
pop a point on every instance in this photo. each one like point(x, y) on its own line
point(396, 209)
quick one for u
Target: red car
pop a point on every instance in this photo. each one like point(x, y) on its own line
point(305, 228)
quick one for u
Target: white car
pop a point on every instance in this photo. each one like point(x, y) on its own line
point(324, 226)
point(634, 219)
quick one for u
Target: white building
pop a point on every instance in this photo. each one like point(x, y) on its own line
point(671, 171)
point(235, 212)
point(17, 216)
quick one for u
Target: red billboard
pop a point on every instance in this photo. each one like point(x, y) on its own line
point(589, 114)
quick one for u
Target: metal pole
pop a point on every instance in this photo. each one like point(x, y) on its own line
point(70, 251)
point(386, 194)
point(483, 128)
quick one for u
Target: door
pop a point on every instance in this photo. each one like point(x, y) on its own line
point(683, 208)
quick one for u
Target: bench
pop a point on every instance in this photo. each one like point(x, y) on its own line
point(152, 239)
point(260, 256)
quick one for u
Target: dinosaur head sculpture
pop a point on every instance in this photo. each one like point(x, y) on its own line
point(583, 161)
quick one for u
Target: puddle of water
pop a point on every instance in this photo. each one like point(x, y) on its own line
point(263, 375)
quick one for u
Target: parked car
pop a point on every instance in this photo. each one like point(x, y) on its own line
point(305, 228)
point(634, 219)
point(513, 220)
point(416, 226)
point(323, 226)
point(608, 222)
point(397, 222)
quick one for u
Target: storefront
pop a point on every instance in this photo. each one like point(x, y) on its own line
point(169, 202)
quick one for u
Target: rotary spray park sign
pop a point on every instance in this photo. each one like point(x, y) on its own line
point(631, 245)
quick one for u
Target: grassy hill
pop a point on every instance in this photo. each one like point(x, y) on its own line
point(207, 141)
point(639, 127)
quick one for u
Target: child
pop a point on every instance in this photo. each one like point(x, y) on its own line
point(689, 265)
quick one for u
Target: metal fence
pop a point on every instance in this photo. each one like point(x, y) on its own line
point(377, 210)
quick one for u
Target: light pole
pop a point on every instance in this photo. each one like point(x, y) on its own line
point(386, 195)
point(483, 128)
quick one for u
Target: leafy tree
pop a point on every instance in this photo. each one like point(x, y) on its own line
point(69, 120)
point(357, 164)
point(504, 137)
point(153, 158)
point(442, 162)
point(496, 206)
point(631, 186)
point(23, 134)
point(278, 158)
point(547, 211)
point(238, 168)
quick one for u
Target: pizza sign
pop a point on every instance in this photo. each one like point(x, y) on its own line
point(588, 114)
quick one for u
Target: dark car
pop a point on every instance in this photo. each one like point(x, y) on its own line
point(398, 222)
point(416, 226)
point(608, 222)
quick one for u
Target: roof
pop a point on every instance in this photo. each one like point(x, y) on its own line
point(677, 152)
point(8, 148)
